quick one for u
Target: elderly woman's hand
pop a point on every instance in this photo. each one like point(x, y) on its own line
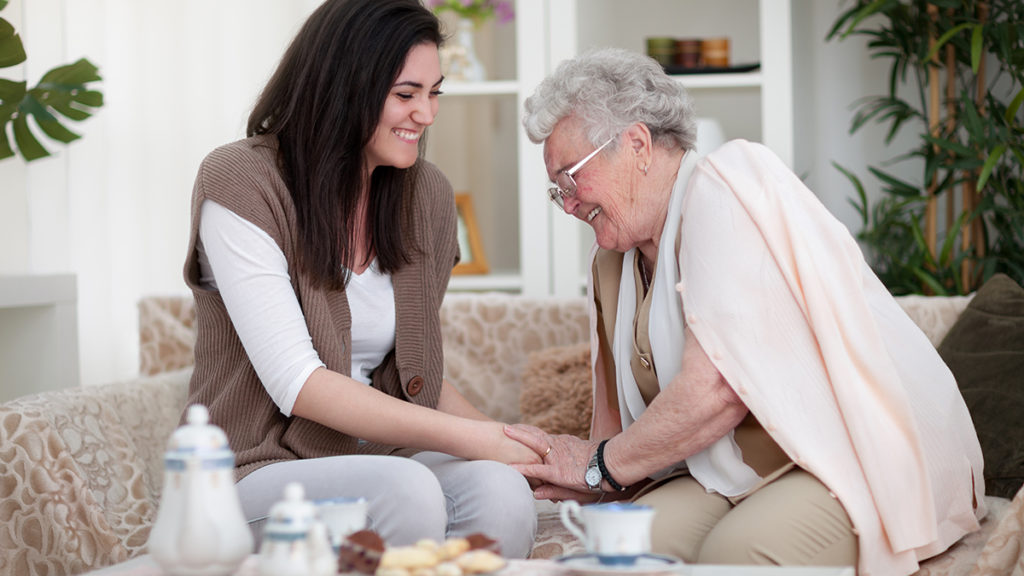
point(565, 459)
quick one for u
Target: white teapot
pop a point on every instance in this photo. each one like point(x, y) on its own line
point(199, 528)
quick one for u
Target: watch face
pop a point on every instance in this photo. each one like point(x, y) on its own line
point(593, 477)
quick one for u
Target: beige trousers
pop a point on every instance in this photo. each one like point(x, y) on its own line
point(793, 520)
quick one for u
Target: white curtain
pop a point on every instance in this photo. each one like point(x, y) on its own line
point(179, 79)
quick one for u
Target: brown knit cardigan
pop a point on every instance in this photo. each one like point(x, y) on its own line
point(243, 177)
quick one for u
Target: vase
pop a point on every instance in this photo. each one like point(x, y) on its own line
point(458, 57)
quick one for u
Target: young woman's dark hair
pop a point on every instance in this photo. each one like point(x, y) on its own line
point(323, 103)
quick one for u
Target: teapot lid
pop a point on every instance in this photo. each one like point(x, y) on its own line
point(292, 517)
point(197, 437)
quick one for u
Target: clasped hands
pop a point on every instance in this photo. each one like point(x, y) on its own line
point(564, 459)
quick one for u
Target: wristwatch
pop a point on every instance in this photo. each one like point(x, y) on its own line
point(593, 474)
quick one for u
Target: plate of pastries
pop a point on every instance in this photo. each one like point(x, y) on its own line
point(365, 553)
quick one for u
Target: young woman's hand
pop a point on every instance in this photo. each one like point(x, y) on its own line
point(496, 445)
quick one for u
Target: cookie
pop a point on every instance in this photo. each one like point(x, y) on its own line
point(480, 561)
point(409, 558)
point(453, 548)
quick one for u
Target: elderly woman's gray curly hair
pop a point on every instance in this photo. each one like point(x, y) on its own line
point(609, 89)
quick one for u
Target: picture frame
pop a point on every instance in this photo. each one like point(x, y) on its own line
point(474, 260)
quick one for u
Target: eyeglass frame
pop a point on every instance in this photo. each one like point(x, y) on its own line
point(556, 193)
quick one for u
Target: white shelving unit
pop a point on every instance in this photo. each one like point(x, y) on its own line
point(488, 155)
point(531, 247)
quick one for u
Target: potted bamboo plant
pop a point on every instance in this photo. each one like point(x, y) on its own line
point(956, 77)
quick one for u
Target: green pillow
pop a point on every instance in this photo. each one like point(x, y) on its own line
point(985, 351)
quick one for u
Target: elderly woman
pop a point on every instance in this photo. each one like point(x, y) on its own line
point(754, 382)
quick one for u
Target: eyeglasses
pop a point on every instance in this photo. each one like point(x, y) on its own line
point(565, 184)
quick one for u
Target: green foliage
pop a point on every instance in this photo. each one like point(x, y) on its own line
point(983, 147)
point(61, 92)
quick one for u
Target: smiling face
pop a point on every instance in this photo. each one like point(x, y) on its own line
point(606, 187)
point(410, 107)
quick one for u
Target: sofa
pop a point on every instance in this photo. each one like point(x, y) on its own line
point(81, 468)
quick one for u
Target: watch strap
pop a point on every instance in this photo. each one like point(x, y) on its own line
point(604, 470)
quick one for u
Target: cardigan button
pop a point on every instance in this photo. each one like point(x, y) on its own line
point(415, 385)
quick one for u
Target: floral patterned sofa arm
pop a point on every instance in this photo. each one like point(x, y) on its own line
point(80, 471)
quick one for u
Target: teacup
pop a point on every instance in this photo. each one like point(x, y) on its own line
point(342, 516)
point(617, 533)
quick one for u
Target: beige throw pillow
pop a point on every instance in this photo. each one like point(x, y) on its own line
point(556, 394)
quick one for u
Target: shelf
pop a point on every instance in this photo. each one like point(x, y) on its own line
point(500, 281)
point(739, 80)
point(489, 88)
point(36, 290)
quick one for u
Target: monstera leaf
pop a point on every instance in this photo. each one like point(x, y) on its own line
point(11, 50)
point(62, 92)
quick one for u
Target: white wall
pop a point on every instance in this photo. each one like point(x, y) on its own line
point(179, 79)
point(829, 77)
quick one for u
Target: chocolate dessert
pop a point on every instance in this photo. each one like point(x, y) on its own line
point(360, 552)
point(480, 541)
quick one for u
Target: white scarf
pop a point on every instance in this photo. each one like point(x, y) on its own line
point(719, 467)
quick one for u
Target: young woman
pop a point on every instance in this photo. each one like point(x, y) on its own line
point(320, 251)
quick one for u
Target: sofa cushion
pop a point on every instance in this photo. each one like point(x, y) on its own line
point(556, 391)
point(985, 351)
point(934, 315)
point(488, 337)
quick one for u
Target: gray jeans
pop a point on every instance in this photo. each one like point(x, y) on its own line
point(431, 495)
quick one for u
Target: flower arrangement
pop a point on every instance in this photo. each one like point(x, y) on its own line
point(479, 11)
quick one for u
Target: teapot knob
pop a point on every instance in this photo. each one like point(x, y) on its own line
point(197, 415)
point(294, 492)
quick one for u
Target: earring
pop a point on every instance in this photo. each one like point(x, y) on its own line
point(645, 170)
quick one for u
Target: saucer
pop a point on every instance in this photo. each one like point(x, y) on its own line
point(589, 565)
